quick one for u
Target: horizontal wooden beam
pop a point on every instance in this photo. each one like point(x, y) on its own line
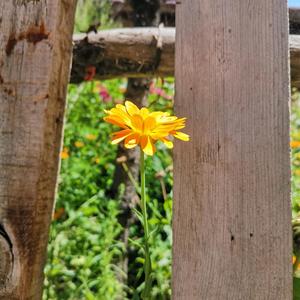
point(295, 60)
point(294, 15)
point(128, 52)
point(139, 52)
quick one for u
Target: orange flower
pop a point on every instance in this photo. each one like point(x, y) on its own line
point(144, 128)
point(295, 144)
point(58, 213)
point(64, 154)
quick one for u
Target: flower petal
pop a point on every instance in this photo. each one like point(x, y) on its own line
point(149, 124)
point(132, 140)
point(131, 108)
point(120, 136)
point(115, 121)
point(147, 145)
point(168, 143)
point(144, 112)
point(181, 136)
point(120, 113)
point(121, 107)
point(137, 123)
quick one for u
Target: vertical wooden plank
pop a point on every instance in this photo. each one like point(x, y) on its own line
point(232, 235)
point(35, 50)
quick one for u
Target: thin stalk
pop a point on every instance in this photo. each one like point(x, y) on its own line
point(131, 177)
point(147, 264)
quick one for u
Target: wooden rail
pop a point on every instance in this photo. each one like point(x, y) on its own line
point(128, 52)
point(140, 52)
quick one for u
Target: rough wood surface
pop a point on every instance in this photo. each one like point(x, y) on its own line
point(35, 50)
point(232, 219)
point(128, 52)
point(133, 52)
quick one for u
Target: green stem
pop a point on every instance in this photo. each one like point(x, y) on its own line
point(147, 265)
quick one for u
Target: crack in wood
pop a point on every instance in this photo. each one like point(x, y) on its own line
point(24, 2)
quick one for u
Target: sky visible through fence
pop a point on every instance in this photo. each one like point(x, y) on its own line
point(295, 3)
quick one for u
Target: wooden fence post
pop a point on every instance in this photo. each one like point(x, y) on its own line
point(232, 232)
point(35, 51)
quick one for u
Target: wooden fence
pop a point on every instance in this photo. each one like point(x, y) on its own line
point(232, 232)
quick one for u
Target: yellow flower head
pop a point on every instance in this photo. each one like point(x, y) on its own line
point(79, 144)
point(144, 128)
point(91, 137)
point(64, 154)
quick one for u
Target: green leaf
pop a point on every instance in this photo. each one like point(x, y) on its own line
point(138, 214)
point(296, 288)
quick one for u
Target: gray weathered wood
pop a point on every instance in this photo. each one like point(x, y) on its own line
point(232, 220)
point(35, 50)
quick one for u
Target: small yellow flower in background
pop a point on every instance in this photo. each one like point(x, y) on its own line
point(79, 144)
point(144, 128)
point(58, 213)
point(96, 160)
point(295, 144)
point(91, 137)
point(64, 154)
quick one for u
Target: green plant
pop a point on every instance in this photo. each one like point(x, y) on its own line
point(84, 249)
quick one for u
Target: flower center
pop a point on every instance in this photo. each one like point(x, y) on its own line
point(149, 125)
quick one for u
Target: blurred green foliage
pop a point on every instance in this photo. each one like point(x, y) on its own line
point(91, 12)
point(84, 249)
point(295, 167)
point(295, 146)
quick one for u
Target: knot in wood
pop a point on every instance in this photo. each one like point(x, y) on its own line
point(6, 259)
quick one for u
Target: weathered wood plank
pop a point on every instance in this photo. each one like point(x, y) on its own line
point(132, 52)
point(140, 53)
point(232, 232)
point(35, 50)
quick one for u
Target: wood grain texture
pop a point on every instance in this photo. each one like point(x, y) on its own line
point(232, 232)
point(35, 53)
point(134, 53)
point(126, 52)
